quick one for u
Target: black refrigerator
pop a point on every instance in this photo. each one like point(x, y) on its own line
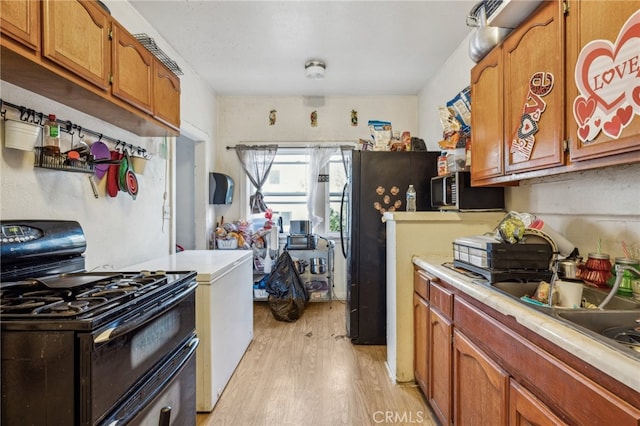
point(378, 182)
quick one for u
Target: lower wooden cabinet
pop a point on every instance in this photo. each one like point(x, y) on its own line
point(525, 409)
point(481, 387)
point(421, 339)
point(440, 395)
point(483, 371)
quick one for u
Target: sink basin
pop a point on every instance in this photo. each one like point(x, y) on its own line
point(598, 321)
point(620, 313)
point(595, 323)
point(590, 294)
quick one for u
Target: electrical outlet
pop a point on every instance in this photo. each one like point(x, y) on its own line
point(166, 212)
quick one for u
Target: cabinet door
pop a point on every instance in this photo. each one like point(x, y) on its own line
point(525, 409)
point(420, 341)
point(534, 91)
point(20, 20)
point(608, 96)
point(76, 37)
point(132, 70)
point(487, 118)
point(439, 380)
point(480, 386)
point(166, 92)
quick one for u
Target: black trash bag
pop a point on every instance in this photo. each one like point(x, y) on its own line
point(287, 295)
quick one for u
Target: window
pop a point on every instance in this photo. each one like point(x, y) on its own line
point(285, 191)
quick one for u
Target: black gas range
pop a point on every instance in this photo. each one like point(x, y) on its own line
point(87, 348)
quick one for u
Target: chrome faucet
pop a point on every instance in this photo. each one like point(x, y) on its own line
point(554, 278)
point(619, 271)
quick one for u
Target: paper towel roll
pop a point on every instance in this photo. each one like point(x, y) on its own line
point(273, 238)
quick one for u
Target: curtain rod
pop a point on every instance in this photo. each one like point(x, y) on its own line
point(298, 146)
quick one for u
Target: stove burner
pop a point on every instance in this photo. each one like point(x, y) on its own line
point(48, 293)
point(25, 304)
point(73, 307)
point(34, 299)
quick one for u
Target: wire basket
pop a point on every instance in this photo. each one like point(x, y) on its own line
point(60, 162)
point(152, 47)
point(230, 244)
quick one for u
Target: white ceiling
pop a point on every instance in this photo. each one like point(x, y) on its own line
point(260, 47)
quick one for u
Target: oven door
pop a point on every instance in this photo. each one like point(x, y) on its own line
point(114, 359)
point(166, 396)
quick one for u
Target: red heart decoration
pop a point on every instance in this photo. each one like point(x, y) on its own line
point(584, 109)
point(613, 127)
point(625, 114)
point(527, 127)
point(583, 132)
point(635, 95)
point(597, 122)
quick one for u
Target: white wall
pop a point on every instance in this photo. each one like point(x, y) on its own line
point(119, 231)
point(582, 206)
point(244, 119)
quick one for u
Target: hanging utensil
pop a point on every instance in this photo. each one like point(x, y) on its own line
point(100, 151)
point(128, 180)
point(112, 175)
point(93, 187)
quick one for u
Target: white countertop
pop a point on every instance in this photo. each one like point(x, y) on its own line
point(445, 216)
point(616, 364)
point(209, 264)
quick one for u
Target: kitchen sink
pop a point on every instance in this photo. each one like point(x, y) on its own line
point(603, 325)
point(592, 295)
point(620, 313)
point(597, 320)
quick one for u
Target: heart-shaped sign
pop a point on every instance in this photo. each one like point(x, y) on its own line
point(604, 69)
point(583, 109)
point(613, 128)
point(527, 127)
point(583, 132)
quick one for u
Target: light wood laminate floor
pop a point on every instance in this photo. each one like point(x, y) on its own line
point(309, 373)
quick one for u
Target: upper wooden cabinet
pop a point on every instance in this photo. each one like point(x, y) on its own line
point(75, 53)
point(487, 156)
point(534, 91)
point(603, 78)
point(518, 100)
point(166, 88)
point(76, 37)
point(20, 21)
point(556, 92)
point(132, 70)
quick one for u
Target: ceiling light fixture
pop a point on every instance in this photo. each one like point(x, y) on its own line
point(314, 69)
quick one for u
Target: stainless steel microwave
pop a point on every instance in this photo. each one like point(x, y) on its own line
point(454, 192)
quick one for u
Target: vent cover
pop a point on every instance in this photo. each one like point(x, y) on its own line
point(490, 6)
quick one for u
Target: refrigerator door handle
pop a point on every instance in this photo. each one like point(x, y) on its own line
point(342, 213)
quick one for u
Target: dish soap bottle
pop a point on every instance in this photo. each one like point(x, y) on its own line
point(411, 199)
point(51, 144)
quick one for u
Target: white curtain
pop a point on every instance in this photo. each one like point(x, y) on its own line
point(256, 162)
point(318, 159)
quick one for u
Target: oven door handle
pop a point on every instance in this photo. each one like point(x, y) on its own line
point(128, 324)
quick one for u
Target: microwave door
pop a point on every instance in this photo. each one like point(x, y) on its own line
point(447, 190)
